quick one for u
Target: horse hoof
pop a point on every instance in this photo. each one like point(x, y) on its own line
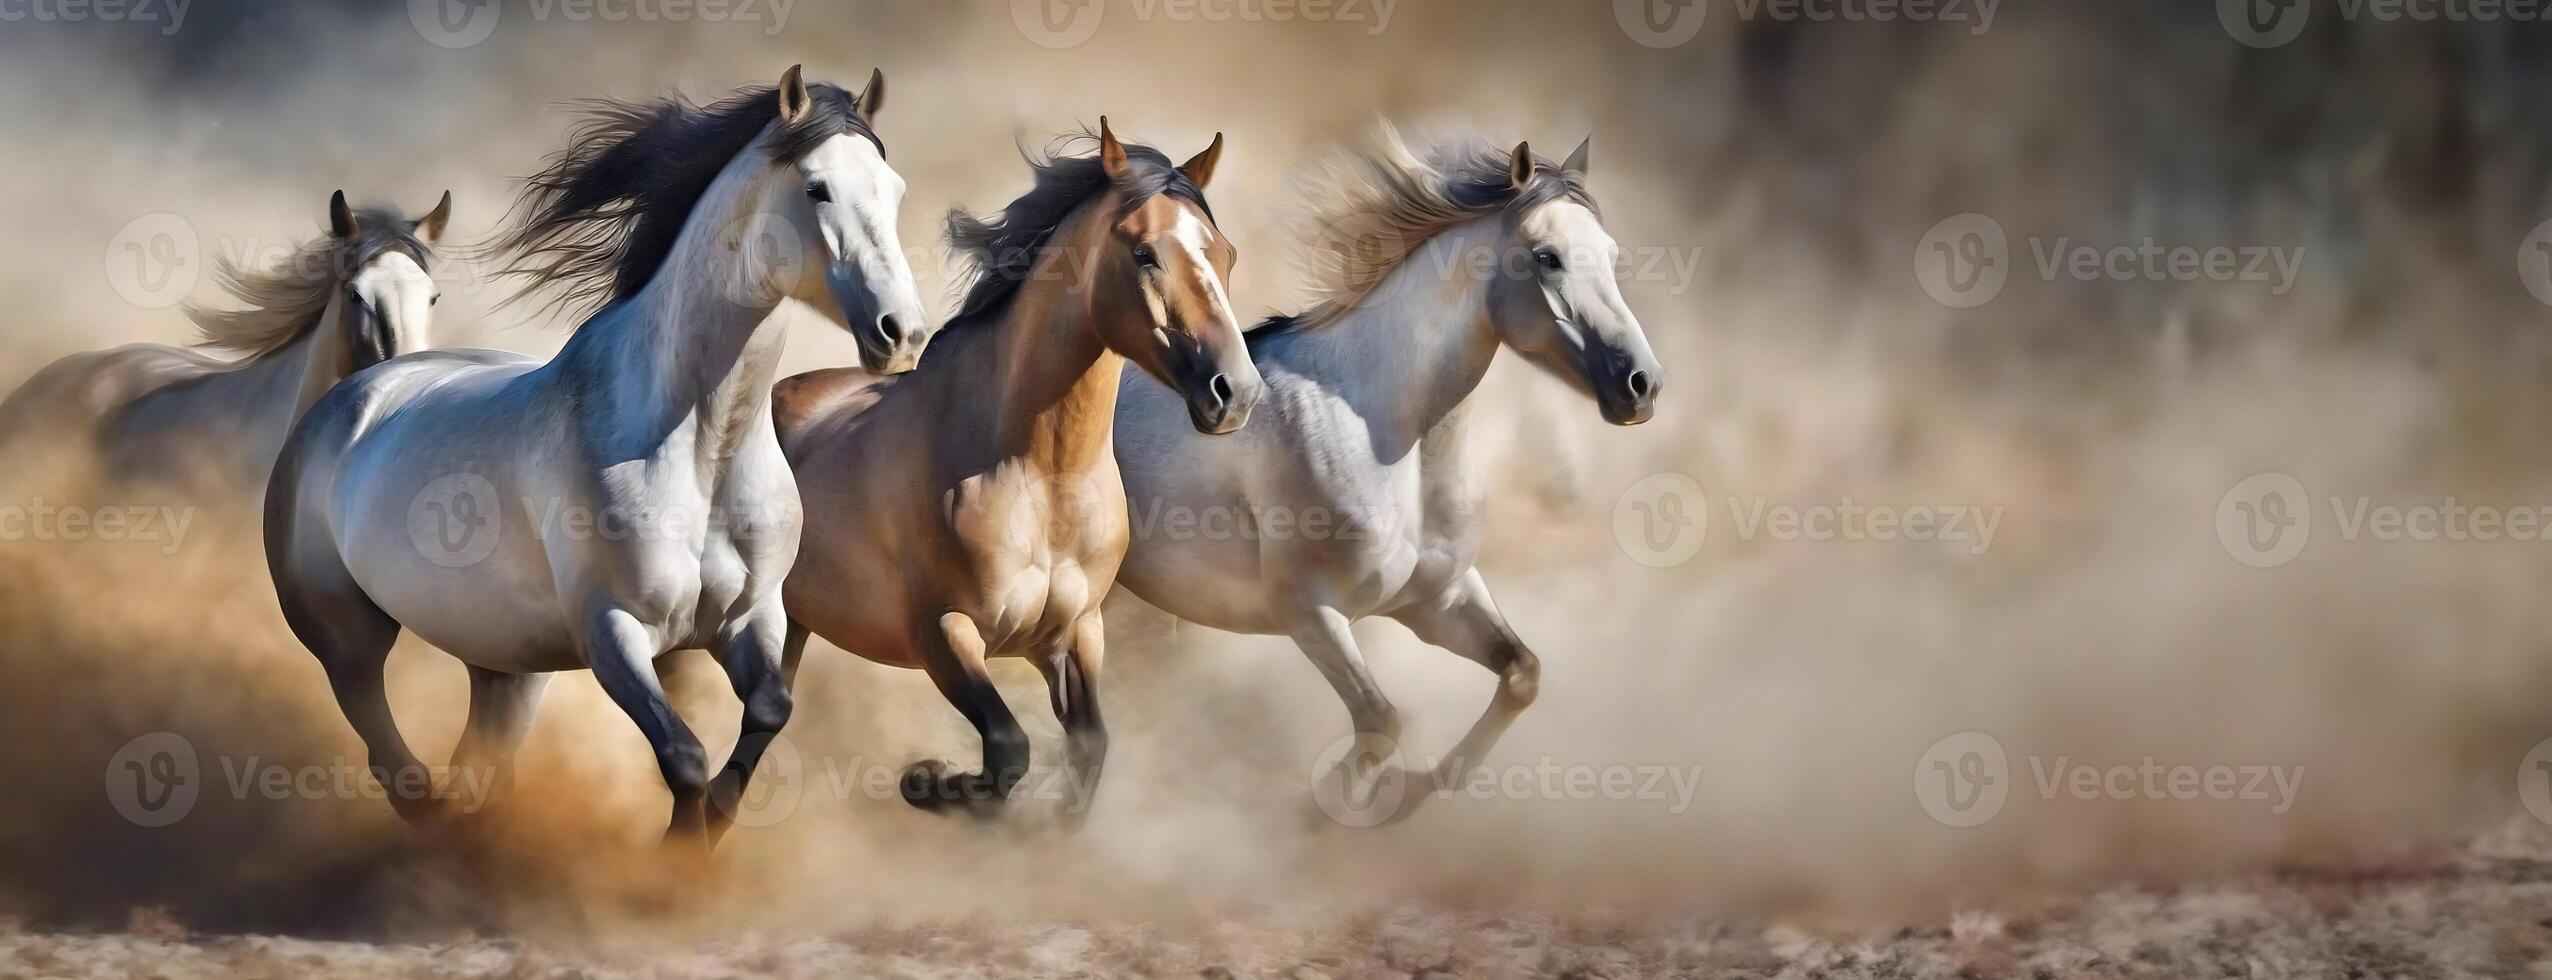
point(922, 784)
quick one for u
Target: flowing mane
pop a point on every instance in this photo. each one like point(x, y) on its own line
point(286, 299)
point(1386, 202)
point(1003, 249)
point(597, 221)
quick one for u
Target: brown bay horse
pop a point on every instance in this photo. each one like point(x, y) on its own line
point(972, 508)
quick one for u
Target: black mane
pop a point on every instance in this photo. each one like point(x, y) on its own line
point(601, 217)
point(1004, 248)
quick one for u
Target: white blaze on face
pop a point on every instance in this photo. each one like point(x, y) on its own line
point(858, 223)
point(398, 289)
point(1588, 255)
point(1190, 236)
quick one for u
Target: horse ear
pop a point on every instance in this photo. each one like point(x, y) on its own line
point(1111, 152)
point(430, 227)
point(1200, 168)
point(873, 97)
point(793, 98)
point(1577, 161)
point(1519, 171)
point(341, 221)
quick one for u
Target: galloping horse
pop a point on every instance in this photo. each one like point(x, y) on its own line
point(211, 426)
point(656, 510)
point(1440, 261)
point(972, 509)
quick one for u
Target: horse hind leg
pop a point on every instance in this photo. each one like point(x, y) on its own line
point(502, 706)
point(352, 638)
point(1466, 621)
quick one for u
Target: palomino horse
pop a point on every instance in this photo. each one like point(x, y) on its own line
point(149, 413)
point(656, 512)
point(972, 509)
point(1441, 261)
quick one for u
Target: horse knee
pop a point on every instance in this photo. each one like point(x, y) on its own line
point(768, 709)
point(1522, 679)
point(685, 768)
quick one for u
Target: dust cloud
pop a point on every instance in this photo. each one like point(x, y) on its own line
point(1776, 184)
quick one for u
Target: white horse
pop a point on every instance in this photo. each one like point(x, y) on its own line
point(626, 498)
point(207, 427)
point(1352, 484)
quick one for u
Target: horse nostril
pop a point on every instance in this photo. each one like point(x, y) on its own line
point(890, 328)
point(1221, 388)
point(1640, 385)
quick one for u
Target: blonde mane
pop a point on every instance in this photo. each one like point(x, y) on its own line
point(285, 300)
point(1383, 203)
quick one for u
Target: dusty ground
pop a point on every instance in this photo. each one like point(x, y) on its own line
point(2480, 912)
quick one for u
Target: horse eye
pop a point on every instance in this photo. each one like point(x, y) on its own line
point(1145, 257)
point(436, 298)
point(1549, 258)
point(820, 191)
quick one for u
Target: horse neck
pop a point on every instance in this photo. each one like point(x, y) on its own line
point(1056, 382)
point(316, 360)
point(688, 348)
point(1409, 353)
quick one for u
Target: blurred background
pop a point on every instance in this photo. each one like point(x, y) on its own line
point(2095, 280)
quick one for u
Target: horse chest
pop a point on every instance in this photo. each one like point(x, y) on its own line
point(1040, 552)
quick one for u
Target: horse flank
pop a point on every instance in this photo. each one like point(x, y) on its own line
point(286, 299)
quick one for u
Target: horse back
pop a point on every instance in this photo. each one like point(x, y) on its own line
point(801, 402)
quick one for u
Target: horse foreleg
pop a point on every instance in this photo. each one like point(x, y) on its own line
point(953, 654)
point(502, 706)
point(1072, 680)
point(622, 654)
point(1466, 621)
point(759, 653)
point(1366, 774)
